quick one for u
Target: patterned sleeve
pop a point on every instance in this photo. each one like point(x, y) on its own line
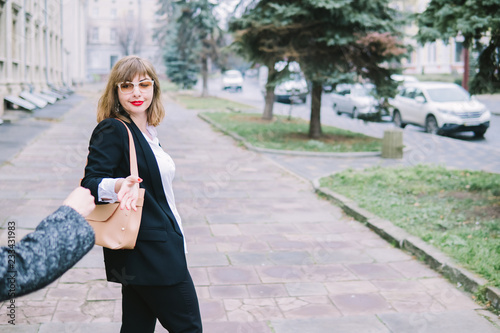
point(42, 256)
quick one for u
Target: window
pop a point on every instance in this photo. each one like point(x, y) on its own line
point(431, 53)
point(27, 32)
point(408, 92)
point(412, 58)
point(113, 13)
point(95, 34)
point(112, 61)
point(15, 33)
point(112, 36)
point(459, 52)
point(452, 94)
point(419, 93)
point(3, 32)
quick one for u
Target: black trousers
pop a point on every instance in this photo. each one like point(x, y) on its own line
point(176, 307)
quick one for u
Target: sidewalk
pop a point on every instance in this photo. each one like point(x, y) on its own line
point(491, 101)
point(23, 126)
point(266, 253)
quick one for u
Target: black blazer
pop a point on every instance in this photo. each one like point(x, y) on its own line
point(158, 257)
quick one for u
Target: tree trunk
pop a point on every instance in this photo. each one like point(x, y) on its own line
point(268, 108)
point(204, 76)
point(315, 123)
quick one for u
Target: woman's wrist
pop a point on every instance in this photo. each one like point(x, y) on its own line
point(118, 184)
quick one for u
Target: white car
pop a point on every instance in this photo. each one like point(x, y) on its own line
point(293, 90)
point(403, 78)
point(232, 79)
point(354, 99)
point(440, 108)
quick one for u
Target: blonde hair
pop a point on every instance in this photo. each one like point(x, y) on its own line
point(126, 69)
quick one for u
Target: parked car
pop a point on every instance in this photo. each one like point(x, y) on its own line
point(251, 72)
point(403, 78)
point(356, 100)
point(293, 90)
point(440, 108)
point(232, 79)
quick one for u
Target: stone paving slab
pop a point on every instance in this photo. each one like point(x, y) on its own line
point(20, 328)
point(79, 328)
point(14, 136)
point(365, 324)
point(460, 321)
point(274, 257)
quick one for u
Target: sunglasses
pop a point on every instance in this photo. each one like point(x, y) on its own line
point(128, 87)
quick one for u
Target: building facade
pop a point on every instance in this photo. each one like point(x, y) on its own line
point(74, 42)
point(120, 28)
point(431, 58)
point(33, 52)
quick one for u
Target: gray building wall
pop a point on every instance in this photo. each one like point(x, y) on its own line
point(119, 28)
point(33, 53)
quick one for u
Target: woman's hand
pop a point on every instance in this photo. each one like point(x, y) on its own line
point(128, 192)
point(80, 200)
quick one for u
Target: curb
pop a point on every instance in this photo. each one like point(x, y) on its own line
point(437, 260)
point(287, 152)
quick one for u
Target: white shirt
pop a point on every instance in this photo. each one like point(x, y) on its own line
point(166, 165)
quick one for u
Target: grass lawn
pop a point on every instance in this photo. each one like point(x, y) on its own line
point(439, 77)
point(168, 86)
point(209, 103)
point(456, 211)
point(284, 134)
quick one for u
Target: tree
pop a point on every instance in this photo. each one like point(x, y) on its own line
point(194, 32)
point(182, 66)
point(205, 25)
point(251, 40)
point(478, 22)
point(129, 40)
point(328, 39)
point(180, 55)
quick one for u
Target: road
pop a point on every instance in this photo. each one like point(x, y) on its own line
point(251, 95)
point(461, 151)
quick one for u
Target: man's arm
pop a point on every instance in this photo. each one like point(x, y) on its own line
point(42, 256)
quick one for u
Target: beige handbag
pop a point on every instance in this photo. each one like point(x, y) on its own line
point(115, 228)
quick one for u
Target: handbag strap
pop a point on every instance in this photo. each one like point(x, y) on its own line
point(134, 170)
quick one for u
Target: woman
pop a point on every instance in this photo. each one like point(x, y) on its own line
point(42, 256)
point(156, 283)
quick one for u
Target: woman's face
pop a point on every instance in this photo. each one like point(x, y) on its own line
point(136, 96)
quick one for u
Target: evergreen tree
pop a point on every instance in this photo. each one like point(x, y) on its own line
point(328, 39)
point(191, 37)
point(180, 57)
point(478, 21)
point(250, 41)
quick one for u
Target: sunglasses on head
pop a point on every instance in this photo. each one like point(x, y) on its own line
point(128, 87)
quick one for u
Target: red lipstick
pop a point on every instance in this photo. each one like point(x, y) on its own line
point(137, 103)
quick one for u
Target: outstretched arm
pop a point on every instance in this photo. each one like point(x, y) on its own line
point(42, 256)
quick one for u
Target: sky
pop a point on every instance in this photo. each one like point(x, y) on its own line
point(227, 7)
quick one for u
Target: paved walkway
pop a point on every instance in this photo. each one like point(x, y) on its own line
point(266, 254)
